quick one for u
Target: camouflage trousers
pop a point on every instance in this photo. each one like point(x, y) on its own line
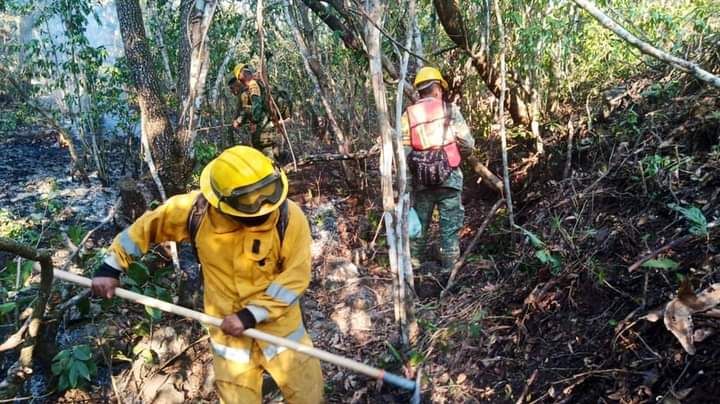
point(264, 140)
point(452, 216)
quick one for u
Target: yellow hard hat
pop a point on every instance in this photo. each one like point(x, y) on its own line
point(429, 74)
point(238, 69)
point(243, 182)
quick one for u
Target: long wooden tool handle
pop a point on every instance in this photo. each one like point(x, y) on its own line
point(251, 332)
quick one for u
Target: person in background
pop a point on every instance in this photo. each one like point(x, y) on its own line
point(436, 139)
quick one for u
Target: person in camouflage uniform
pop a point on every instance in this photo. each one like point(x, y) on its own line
point(432, 123)
point(253, 112)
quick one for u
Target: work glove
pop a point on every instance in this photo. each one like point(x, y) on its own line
point(104, 281)
point(236, 324)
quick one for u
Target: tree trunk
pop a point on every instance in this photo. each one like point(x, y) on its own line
point(319, 79)
point(405, 270)
point(169, 153)
point(404, 310)
point(501, 117)
point(194, 59)
point(452, 21)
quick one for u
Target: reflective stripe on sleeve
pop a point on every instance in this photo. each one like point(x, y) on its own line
point(111, 260)
point(282, 294)
point(271, 350)
point(128, 245)
point(261, 314)
point(234, 354)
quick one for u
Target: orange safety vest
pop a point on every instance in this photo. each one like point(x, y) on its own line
point(428, 121)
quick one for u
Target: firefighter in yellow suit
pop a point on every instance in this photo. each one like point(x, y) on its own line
point(251, 277)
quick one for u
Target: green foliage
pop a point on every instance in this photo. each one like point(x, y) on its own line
point(6, 308)
point(16, 229)
point(542, 253)
point(76, 232)
point(654, 164)
point(475, 324)
point(9, 275)
point(204, 153)
point(662, 91)
point(153, 284)
point(698, 222)
point(661, 263)
point(73, 366)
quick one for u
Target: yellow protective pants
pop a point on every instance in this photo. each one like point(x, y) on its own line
point(298, 376)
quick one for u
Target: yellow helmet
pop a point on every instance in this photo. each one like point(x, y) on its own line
point(429, 74)
point(238, 69)
point(243, 182)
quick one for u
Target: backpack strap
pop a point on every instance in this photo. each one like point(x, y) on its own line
point(197, 212)
point(282, 222)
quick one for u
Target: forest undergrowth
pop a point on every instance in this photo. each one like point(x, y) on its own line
point(549, 312)
point(561, 317)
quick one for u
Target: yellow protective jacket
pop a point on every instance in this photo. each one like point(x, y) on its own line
point(243, 268)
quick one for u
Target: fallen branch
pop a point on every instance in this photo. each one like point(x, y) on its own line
point(179, 354)
point(529, 383)
point(360, 155)
point(17, 338)
point(471, 246)
point(491, 179)
point(595, 372)
point(668, 246)
point(81, 246)
point(23, 365)
point(644, 47)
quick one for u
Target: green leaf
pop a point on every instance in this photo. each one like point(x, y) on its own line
point(138, 273)
point(6, 308)
point(154, 313)
point(83, 370)
point(62, 355)
point(163, 294)
point(73, 375)
point(534, 240)
point(698, 222)
point(82, 353)
point(63, 383)
point(545, 257)
point(58, 368)
point(662, 263)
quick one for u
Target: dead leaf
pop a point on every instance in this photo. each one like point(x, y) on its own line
point(678, 320)
point(708, 298)
point(461, 378)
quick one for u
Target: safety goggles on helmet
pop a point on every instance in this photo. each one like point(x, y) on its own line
point(250, 198)
point(426, 84)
